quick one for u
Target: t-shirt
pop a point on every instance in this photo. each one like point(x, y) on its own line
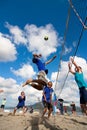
point(3, 102)
point(39, 63)
point(21, 101)
point(48, 92)
point(80, 80)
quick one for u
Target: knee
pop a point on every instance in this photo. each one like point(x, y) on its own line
point(28, 81)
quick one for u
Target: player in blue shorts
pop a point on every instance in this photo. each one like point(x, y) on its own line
point(21, 103)
point(47, 99)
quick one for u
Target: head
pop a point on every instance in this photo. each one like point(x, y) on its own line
point(37, 55)
point(72, 102)
point(49, 84)
point(22, 93)
point(78, 69)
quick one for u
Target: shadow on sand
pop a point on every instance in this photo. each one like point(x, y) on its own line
point(37, 123)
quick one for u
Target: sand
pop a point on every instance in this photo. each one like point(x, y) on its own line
point(35, 122)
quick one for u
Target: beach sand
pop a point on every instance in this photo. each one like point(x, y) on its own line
point(35, 122)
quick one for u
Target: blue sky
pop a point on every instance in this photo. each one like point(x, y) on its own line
point(23, 26)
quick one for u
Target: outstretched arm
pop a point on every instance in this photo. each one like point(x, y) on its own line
point(74, 63)
point(51, 98)
point(47, 62)
point(70, 70)
point(44, 96)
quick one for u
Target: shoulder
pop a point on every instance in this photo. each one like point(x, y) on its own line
point(45, 87)
point(51, 90)
point(19, 97)
point(34, 60)
point(78, 73)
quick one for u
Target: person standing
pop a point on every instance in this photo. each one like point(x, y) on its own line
point(3, 103)
point(73, 108)
point(21, 103)
point(60, 101)
point(79, 78)
point(47, 99)
point(54, 104)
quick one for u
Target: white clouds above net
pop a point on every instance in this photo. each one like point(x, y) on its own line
point(7, 49)
point(18, 35)
point(26, 71)
point(36, 42)
point(33, 37)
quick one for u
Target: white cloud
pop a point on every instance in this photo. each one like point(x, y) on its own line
point(26, 71)
point(36, 42)
point(7, 82)
point(10, 87)
point(66, 50)
point(18, 35)
point(7, 49)
point(33, 37)
point(12, 90)
point(32, 95)
point(74, 43)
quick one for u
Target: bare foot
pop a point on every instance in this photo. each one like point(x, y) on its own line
point(23, 84)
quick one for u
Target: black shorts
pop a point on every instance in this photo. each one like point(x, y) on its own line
point(2, 106)
point(83, 95)
point(73, 108)
point(47, 105)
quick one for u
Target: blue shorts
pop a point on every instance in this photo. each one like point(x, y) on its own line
point(83, 95)
point(18, 106)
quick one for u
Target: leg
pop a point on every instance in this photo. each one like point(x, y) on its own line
point(83, 100)
point(41, 76)
point(82, 108)
point(27, 82)
point(49, 112)
point(14, 111)
point(86, 108)
point(44, 111)
point(39, 81)
point(25, 109)
point(37, 86)
point(50, 108)
point(45, 108)
point(2, 107)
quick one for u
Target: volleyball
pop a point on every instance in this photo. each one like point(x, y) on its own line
point(46, 38)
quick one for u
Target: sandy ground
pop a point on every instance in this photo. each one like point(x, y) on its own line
point(35, 122)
